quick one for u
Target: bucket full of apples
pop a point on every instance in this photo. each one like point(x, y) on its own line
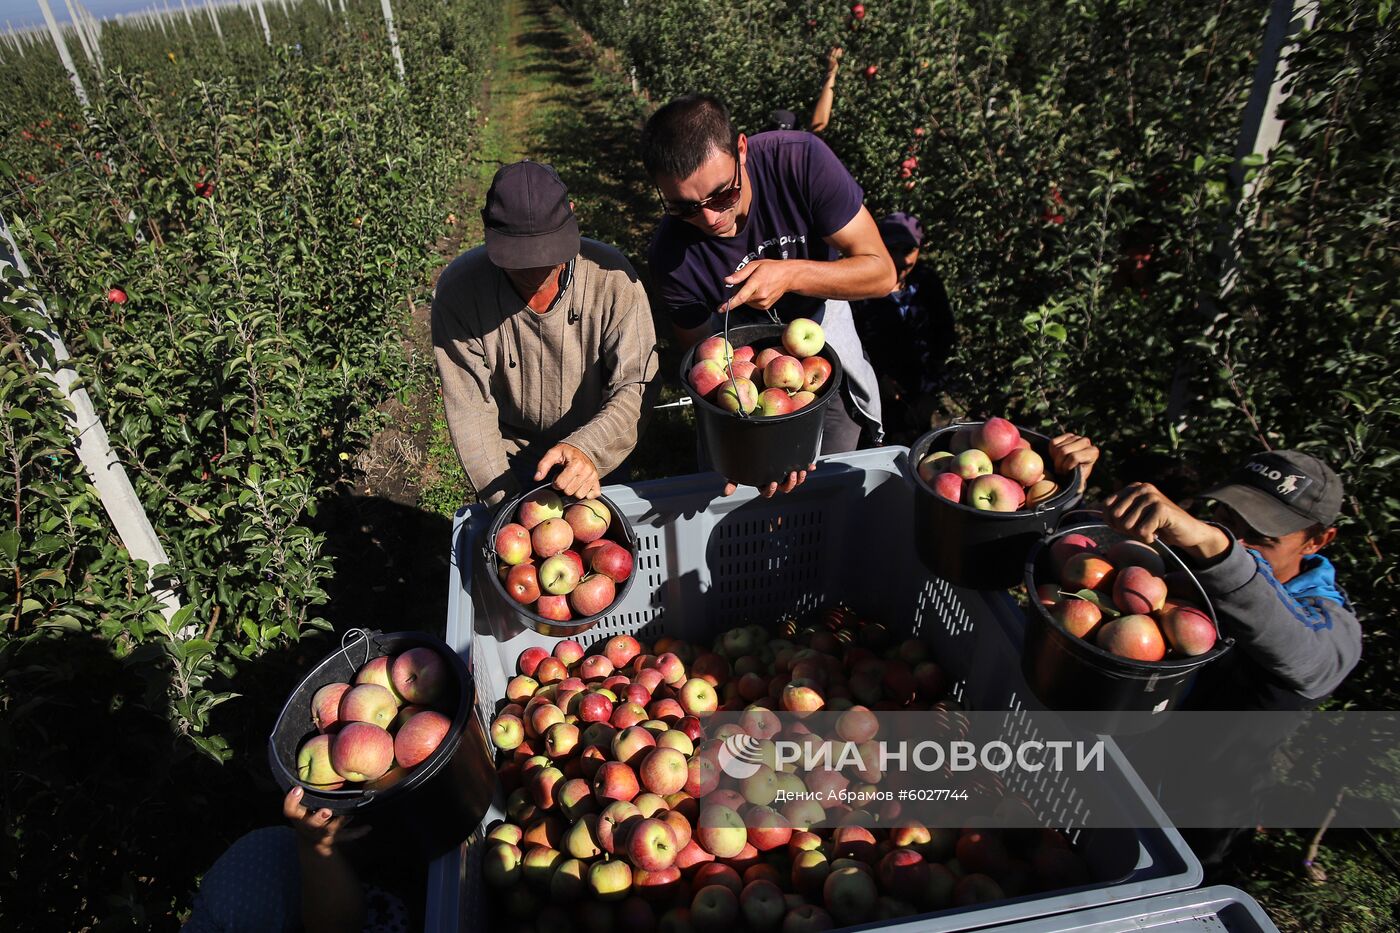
point(560, 562)
point(383, 728)
point(984, 493)
point(761, 392)
point(1114, 626)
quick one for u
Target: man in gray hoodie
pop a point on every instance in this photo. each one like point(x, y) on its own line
point(1296, 634)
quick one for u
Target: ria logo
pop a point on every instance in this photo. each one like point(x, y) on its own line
point(740, 755)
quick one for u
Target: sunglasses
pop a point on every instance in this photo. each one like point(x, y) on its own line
point(721, 200)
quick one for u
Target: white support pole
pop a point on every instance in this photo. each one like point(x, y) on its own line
point(262, 18)
point(214, 18)
point(94, 31)
point(189, 20)
point(63, 53)
point(393, 37)
point(82, 36)
point(1260, 132)
point(94, 449)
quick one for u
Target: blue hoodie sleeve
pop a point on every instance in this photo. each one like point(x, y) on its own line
point(1311, 644)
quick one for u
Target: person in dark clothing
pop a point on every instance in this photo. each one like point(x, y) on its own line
point(769, 227)
point(1296, 634)
point(908, 333)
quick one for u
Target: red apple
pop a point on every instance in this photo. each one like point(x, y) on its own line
point(1136, 554)
point(736, 394)
point(513, 544)
point(507, 732)
point(610, 881)
point(651, 845)
point(1189, 630)
point(594, 707)
point(664, 770)
point(594, 594)
point(632, 744)
point(816, 371)
point(1067, 546)
point(715, 909)
point(568, 651)
point(589, 519)
point(555, 608)
point(419, 737)
point(314, 764)
point(1137, 592)
point(783, 372)
point(523, 583)
point(1079, 617)
point(530, 659)
point(621, 649)
point(1085, 571)
point(325, 705)
point(1023, 465)
point(949, 486)
point(721, 831)
point(551, 671)
point(849, 894)
point(501, 865)
point(614, 781)
point(994, 493)
point(614, 823)
point(1042, 491)
point(551, 536)
point(715, 348)
point(996, 437)
point(1133, 636)
point(539, 506)
point(362, 751)
point(368, 703)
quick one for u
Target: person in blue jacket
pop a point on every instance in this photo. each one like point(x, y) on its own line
point(1296, 635)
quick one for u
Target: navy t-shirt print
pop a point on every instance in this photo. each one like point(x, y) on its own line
point(801, 193)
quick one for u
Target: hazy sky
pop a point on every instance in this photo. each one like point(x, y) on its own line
point(26, 12)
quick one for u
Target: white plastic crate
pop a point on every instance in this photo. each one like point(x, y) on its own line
point(1205, 910)
point(706, 563)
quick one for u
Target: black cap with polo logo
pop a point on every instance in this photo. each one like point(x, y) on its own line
point(1278, 492)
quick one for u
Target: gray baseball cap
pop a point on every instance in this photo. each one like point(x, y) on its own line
point(1279, 492)
point(528, 220)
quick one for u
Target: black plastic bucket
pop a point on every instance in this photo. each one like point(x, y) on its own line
point(1070, 674)
point(975, 548)
point(620, 531)
point(442, 800)
point(756, 451)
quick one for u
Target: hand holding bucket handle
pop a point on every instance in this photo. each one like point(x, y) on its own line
point(795, 478)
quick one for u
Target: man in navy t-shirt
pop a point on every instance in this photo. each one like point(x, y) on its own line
point(773, 222)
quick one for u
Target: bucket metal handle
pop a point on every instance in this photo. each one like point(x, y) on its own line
point(349, 639)
point(1061, 529)
point(733, 383)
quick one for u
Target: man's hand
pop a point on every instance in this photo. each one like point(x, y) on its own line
point(772, 489)
point(1141, 511)
point(764, 281)
point(579, 478)
point(319, 830)
point(1071, 450)
point(833, 58)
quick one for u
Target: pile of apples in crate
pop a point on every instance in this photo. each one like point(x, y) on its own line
point(766, 384)
point(565, 580)
point(374, 730)
point(1122, 600)
point(620, 815)
point(989, 466)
